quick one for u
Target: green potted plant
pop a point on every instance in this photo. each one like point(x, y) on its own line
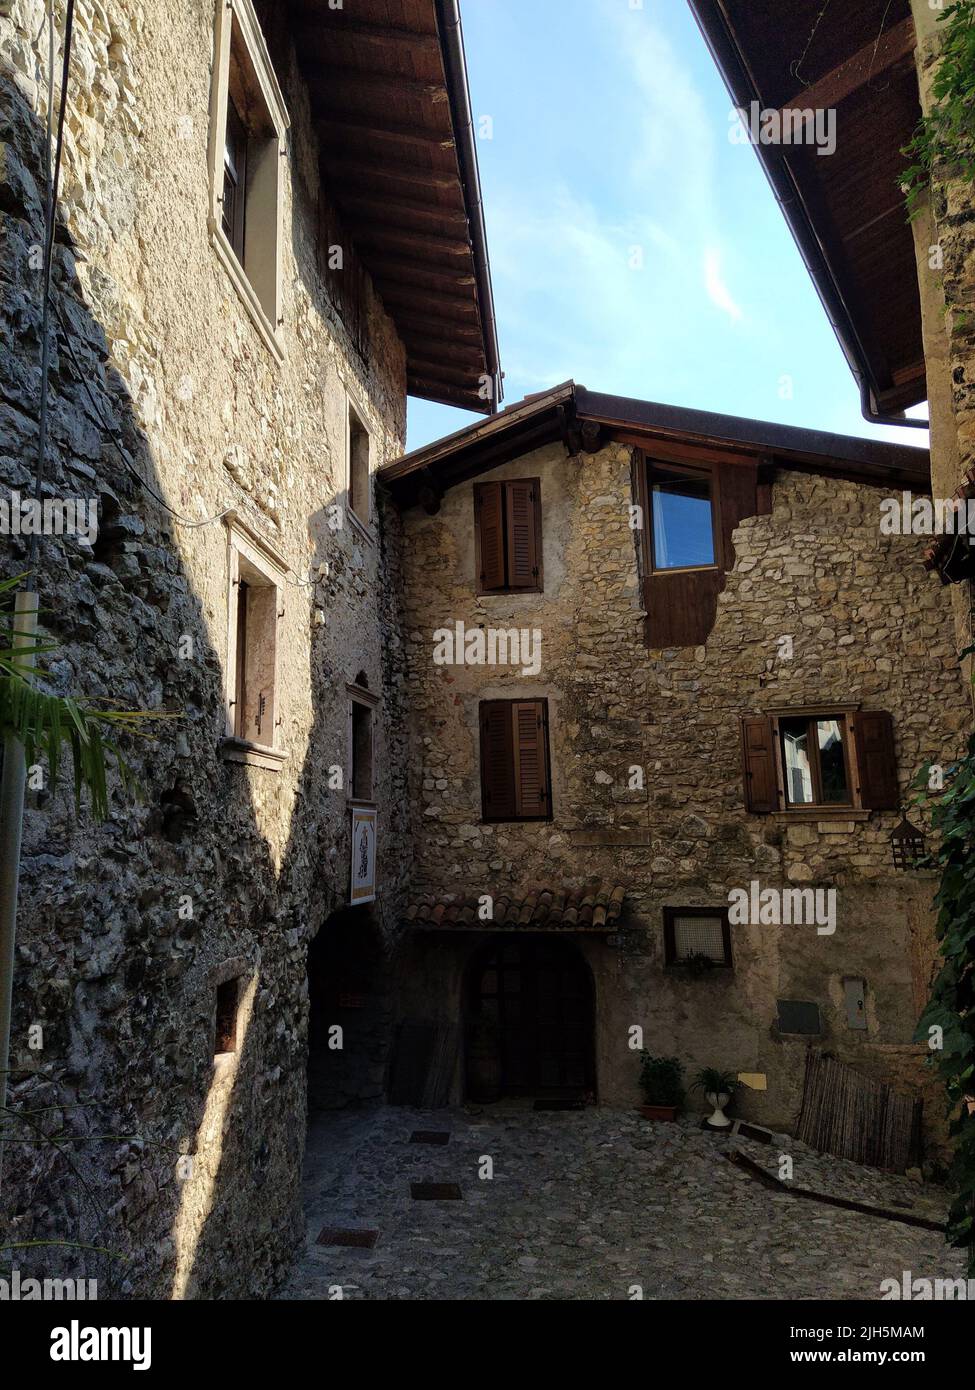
point(698, 964)
point(662, 1083)
point(718, 1087)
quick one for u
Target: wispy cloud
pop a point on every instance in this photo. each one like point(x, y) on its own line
point(718, 291)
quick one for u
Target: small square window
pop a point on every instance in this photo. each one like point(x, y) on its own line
point(682, 518)
point(228, 1000)
point(694, 935)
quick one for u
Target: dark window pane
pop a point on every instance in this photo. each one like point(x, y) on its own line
point(795, 758)
point(832, 762)
point(682, 530)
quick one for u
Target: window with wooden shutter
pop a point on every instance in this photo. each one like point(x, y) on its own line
point(820, 760)
point(876, 760)
point(508, 536)
point(758, 752)
point(515, 775)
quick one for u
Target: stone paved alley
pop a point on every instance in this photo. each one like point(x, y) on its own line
point(585, 1204)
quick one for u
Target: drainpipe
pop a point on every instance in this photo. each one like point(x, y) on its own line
point(455, 64)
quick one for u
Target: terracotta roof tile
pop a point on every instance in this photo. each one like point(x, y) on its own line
point(594, 907)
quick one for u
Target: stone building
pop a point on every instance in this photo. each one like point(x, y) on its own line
point(269, 233)
point(655, 656)
point(254, 265)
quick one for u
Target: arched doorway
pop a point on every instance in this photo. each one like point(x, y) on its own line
point(348, 989)
point(530, 1020)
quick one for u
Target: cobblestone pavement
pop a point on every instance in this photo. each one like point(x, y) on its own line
point(586, 1204)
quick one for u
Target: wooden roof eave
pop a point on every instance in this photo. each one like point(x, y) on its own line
point(885, 393)
point(400, 166)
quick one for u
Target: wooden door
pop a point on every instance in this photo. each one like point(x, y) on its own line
point(530, 1022)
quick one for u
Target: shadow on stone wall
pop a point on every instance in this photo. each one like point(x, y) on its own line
point(121, 979)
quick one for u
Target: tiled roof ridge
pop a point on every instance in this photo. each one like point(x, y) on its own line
point(594, 906)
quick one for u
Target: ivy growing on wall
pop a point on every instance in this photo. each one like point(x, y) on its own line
point(945, 137)
point(948, 1023)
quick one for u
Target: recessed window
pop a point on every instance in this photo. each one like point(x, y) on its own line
point(225, 1035)
point(814, 762)
point(681, 518)
point(360, 482)
point(256, 607)
point(363, 702)
point(697, 937)
point(247, 140)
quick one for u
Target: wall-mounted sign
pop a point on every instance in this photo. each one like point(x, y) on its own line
point(363, 887)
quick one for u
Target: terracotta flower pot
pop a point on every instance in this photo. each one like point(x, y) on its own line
point(659, 1112)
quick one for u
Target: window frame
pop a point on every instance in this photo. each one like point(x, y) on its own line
point(671, 959)
point(237, 25)
point(245, 544)
point(363, 697)
point(844, 714)
point(480, 588)
point(354, 414)
point(515, 819)
point(696, 471)
point(222, 988)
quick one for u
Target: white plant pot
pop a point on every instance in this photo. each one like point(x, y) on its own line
point(719, 1120)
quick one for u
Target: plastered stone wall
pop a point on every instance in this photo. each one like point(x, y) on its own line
point(868, 624)
point(221, 869)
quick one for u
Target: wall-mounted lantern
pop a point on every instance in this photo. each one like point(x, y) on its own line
point(907, 844)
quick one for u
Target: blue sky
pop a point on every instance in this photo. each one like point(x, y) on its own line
point(610, 132)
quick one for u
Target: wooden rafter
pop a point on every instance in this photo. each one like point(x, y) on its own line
point(451, 308)
point(426, 349)
point(369, 235)
point(444, 393)
point(384, 84)
point(871, 60)
point(431, 323)
point(365, 169)
point(331, 123)
point(314, 37)
point(382, 205)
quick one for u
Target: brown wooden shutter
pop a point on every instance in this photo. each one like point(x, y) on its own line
point(522, 514)
point(758, 753)
point(876, 760)
point(489, 531)
point(737, 497)
point(531, 758)
point(497, 761)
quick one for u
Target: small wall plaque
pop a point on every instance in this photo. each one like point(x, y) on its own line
point(800, 1017)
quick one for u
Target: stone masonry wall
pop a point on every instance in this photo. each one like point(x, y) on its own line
point(945, 244)
point(109, 959)
point(868, 624)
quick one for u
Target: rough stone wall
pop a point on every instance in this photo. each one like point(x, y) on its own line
point(868, 625)
point(109, 961)
point(945, 243)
